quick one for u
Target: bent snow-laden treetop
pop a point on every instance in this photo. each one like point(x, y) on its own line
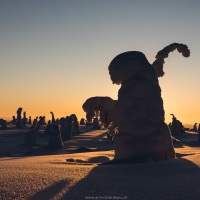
point(162, 54)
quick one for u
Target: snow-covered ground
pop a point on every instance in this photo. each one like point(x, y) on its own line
point(38, 173)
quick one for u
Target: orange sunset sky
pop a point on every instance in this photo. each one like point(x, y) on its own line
point(55, 54)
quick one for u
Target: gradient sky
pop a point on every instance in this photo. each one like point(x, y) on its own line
point(54, 54)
